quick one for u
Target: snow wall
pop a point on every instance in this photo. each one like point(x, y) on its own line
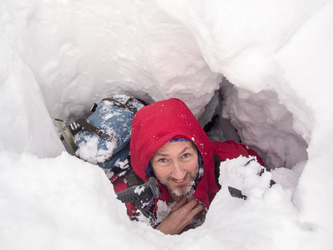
point(271, 61)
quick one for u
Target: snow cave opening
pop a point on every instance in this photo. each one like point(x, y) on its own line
point(260, 121)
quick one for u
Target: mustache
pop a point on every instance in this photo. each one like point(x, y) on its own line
point(176, 180)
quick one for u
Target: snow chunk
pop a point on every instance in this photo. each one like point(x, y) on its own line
point(243, 174)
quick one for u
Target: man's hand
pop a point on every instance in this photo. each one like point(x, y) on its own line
point(180, 216)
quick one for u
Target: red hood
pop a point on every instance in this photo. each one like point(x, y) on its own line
point(156, 124)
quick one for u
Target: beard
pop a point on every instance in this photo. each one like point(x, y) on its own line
point(182, 189)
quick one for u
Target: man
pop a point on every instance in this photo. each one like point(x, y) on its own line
point(168, 143)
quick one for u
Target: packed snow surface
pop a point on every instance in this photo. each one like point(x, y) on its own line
point(271, 62)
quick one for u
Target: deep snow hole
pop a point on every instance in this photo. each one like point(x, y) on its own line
point(258, 120)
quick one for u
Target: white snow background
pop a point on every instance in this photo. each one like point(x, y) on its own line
point(273, 62)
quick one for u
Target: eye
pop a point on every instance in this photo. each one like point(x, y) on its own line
point(187, 155)
point(162, 160)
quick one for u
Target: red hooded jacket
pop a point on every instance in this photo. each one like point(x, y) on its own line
point(156, 124)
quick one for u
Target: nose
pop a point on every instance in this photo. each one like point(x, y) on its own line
point(178, 171)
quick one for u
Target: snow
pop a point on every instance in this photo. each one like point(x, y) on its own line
point(271, 60)
point(89, 151)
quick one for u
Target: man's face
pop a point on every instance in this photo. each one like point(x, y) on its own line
point(175, 164)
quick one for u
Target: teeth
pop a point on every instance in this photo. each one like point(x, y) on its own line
point(182, 179)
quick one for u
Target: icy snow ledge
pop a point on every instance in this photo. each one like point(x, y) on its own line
point(59, 203)
point(64, 203)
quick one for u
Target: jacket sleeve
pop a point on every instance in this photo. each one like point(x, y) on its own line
point(119, 184)
point(231, 149)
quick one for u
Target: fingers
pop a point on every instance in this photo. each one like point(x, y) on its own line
point(180, 203)
point(193, 203)
point(191, 208)
point(180, 217)
point(194, 207)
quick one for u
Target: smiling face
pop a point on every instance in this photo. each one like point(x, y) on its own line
point(175, 164)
